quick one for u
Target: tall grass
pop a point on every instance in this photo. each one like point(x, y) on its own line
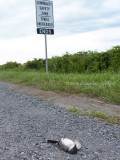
point(105, 86)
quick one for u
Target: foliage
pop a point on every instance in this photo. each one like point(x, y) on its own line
point(80, 62)
point(10, 65)
point(35, 64)
point(74, 110)
point(87, 62)
point(114, 59)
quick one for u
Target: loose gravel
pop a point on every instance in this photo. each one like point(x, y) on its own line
point(26, 122)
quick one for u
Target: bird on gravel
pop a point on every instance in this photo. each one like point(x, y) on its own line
point(67, 145)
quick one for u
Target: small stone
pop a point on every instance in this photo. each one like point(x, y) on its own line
point(84, 156)
point(69, 159)
point(105, 156)
point(22, 153)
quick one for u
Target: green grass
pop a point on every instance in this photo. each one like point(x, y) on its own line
point(115, 119)
point(105, 86)
point(75, 110)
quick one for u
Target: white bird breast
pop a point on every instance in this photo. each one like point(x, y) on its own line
point(69, 144)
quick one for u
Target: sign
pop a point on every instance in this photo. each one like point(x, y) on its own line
point(45, 31)
point(44, 21)
point(44, 14)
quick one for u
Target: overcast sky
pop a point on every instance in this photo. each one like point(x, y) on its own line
point(80, 25)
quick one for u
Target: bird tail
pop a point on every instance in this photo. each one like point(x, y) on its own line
point(52, 141)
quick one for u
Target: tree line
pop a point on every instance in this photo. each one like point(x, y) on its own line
point(80, 62)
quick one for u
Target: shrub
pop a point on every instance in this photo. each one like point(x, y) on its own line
point(80, 62)
point(38, 64)
point(10, 65)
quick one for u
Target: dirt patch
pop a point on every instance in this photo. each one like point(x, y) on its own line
point(68, 101)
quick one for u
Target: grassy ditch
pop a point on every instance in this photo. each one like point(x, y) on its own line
point(105, 86)
point(115, 119)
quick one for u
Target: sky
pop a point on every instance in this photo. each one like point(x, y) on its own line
point(79, 25)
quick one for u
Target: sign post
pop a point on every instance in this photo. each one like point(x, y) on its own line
point(46, 53)
point(45, 21)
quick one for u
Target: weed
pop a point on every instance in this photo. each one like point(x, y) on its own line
point(41, 100)
point(99, 114)
point(105, 86)
point(75, 110)
point(50, 104)
point(115, 119)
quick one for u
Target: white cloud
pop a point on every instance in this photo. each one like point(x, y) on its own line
point(95, 40)
point(79, 25)
point(111, 5)
point(21, 49)
point(24, 49)
point(82, 16)
point(17, 18)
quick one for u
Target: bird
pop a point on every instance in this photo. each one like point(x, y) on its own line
point(67, 145)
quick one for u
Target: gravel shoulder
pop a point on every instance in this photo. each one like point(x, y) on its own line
point(27, 121)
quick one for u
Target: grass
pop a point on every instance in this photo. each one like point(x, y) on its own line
point(105, 86)
point(115, 119)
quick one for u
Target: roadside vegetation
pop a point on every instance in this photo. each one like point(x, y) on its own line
point(105, 86)
point(114, 119)
point(80, 62)
point(92, 73)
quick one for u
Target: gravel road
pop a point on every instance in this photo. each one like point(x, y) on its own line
point(26, 122)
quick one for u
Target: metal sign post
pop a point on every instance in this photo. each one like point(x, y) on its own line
point(45, 21)
point(46, 53)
